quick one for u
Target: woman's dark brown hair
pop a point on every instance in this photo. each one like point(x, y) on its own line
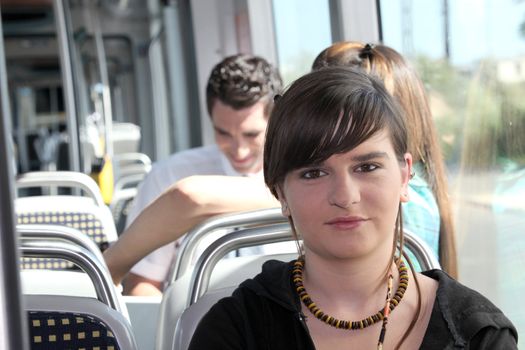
point(402, 82)
point(327, 112)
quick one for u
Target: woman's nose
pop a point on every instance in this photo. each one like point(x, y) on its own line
point(344, 192)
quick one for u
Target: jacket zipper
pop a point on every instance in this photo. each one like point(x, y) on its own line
point(302, 320)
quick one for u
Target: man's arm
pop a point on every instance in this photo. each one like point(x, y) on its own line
point(178, 209)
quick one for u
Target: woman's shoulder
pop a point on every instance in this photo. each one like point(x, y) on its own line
point(468, 313)
point(458, 296)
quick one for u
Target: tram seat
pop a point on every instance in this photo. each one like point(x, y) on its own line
point(190, 318)
point(232, 271)
point(130, 170)
point(59, 322)
point(73, 322)
point(126, 137)
point(202, 296)
point(46, 241)
point(128, 181)
point(75, 283)
point(88, 215)
point(206, 232)
point(126, 164)
point(227, 273)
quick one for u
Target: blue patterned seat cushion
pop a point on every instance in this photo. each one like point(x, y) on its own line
point(88, 224)
point(60, 330)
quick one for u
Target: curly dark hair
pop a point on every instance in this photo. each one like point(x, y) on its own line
point(240, 81)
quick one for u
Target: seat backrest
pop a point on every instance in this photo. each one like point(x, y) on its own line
point(230, 272)
point(67, 322)
point(131, 158)
point(125, 137)
point(37, 281)
point(227, 222)
point(191, 317)
point(58, 233)
point(81, 257)
point(177, 291)
point(208, 261)
point(201, 278)
point(420, 253)
point(64, 179)
point(128, 181)
point(120, 206)
point(130, 169)
point(64, 321)
point(277, 233)
point(71, 211)
point(87, 214)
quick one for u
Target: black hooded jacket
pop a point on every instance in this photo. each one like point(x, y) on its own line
point(265, 313)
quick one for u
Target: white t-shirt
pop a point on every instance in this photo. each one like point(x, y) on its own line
point(208, 160)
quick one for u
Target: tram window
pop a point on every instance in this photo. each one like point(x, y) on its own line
point(35, 85)
point(120, 64)
point(49, 99)
point(302, 30)
point(471, 63)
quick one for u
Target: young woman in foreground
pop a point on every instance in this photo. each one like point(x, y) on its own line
point(336, 158)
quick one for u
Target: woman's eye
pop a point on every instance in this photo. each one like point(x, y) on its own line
point(312, 174)
point(366, 168)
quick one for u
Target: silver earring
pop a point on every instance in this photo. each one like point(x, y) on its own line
point(285, 206)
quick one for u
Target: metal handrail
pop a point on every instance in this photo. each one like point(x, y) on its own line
point(421, 250)
point(80, 256)
point(132, 158)
point(190, 243)
point(124, 194)
point(62, 179)
point(123, 182)
point(232, 241)
point(60, 233)
point(273, 234)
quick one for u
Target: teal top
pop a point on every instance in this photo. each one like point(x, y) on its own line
point(421, 213)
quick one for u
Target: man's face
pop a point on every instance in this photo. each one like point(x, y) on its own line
point(240, 135)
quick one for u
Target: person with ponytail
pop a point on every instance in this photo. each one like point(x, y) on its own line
point(428, 214)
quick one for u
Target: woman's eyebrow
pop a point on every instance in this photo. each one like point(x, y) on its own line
point(369, 156)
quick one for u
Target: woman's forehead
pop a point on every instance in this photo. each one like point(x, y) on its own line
point(378, 143)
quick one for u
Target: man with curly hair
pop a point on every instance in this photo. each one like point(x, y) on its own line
point(239, 96)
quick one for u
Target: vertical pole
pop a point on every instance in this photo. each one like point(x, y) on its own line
point(67, 83)
point(447, 29)
point(13, 331)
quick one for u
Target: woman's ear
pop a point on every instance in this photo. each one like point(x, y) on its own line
point(284, 204)
point(406, 174)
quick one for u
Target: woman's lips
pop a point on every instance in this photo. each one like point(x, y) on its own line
point(346, 222)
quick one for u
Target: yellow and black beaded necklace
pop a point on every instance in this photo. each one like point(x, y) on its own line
point(381, 315)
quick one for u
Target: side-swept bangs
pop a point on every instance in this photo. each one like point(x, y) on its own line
point(327, 112)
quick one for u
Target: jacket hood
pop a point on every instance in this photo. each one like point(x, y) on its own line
point(275, 283)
